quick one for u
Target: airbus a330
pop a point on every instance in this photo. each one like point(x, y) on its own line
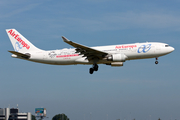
point(113, 55)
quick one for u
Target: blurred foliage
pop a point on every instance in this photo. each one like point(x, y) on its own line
point(60, 117)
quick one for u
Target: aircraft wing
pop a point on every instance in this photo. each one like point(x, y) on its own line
point(26, 56)
point(88, 52)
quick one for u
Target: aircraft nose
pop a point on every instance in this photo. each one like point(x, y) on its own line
point(172, 49)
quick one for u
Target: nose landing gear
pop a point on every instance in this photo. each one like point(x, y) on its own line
point(156, 62)
point(94, 68)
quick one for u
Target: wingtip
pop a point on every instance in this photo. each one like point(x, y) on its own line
point(65, 39)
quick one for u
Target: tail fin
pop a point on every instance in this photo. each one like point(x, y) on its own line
point(19, 42)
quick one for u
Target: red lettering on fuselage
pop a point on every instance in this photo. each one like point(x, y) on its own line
point(16, 36)
point(125, 46)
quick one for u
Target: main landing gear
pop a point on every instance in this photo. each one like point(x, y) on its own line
point(94, 68)
point(156, 62)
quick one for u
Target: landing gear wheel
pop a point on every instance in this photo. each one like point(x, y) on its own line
point(91, 70)
point(156, 62)
point(95, 67)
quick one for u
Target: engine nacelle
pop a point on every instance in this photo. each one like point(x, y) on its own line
point(117, 58)
point(116, 64)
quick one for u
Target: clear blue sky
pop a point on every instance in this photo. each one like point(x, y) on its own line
point(140, 89)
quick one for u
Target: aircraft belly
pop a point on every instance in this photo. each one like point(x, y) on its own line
point(62, 61)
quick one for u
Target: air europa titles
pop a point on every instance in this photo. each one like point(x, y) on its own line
point(17, 37)
point(125, 46)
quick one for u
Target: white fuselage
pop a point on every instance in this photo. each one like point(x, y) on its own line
point(132, 51)
point(114, 55)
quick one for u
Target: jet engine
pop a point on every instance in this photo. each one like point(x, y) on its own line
point(117, 57)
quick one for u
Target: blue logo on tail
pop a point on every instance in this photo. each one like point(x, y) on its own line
point(18, 46)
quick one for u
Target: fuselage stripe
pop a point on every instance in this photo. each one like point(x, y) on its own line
point(73, 55)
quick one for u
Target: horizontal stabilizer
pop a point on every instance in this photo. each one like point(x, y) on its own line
point(26, 56)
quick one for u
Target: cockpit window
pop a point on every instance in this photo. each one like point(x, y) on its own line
point(166, 45)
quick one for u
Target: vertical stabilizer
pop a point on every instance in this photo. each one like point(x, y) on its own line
point(19, 42)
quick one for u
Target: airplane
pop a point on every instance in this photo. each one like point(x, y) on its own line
point(113, 55)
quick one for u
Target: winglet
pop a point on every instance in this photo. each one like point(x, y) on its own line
point(65, 39)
